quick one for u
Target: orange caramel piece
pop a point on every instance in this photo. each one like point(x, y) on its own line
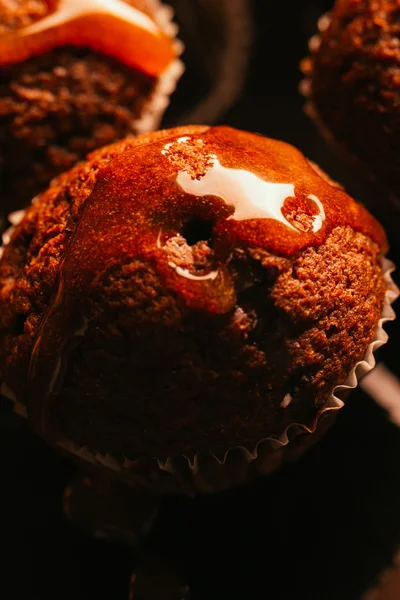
point(111, 27)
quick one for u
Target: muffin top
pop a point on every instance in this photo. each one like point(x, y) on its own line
point(185, 283)
point(117, 28)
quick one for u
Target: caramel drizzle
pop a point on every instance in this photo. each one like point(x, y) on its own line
point(111, 27)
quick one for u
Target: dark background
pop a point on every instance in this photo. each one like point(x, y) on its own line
point(321, 529)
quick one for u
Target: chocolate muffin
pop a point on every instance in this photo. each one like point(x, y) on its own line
point(75, 76)
point(187, 291)
point(353, 81)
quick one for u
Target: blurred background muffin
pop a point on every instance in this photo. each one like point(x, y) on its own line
point(353, 85)
point(71, 81)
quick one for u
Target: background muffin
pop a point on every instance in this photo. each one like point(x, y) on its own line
point(58, 102)
point(354, 89)
point(187, 291)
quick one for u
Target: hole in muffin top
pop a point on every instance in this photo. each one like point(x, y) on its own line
point(196, 230)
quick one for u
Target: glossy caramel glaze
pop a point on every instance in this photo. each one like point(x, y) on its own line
point(245, 190)
point(112, 27)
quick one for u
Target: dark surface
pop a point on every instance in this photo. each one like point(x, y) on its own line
point(321, 529)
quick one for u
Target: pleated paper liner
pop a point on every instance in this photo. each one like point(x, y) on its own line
point(205, 473)
point(155, 106)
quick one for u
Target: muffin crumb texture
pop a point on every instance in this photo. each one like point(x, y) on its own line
point(146, 369)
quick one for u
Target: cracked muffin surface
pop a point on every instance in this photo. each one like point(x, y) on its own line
point(189, 290)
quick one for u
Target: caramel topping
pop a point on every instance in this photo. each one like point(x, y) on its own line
point(111, 27)
point(250, 190)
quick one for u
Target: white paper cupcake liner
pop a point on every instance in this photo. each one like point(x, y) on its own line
point(155, 106)
point(384, 387)
point(206, 472)
point(229, 67)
